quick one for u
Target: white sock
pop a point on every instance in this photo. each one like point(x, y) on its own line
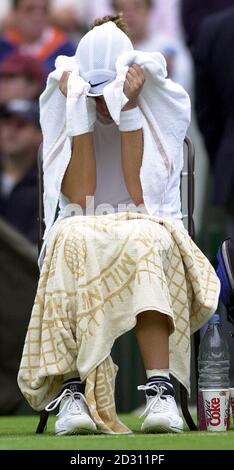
point(157, 372)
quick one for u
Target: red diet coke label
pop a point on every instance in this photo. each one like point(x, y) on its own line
point(216, 410)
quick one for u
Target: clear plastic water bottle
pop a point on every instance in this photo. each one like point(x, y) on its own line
point(213, 382)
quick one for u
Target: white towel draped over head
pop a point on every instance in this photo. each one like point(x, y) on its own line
point(165, 108)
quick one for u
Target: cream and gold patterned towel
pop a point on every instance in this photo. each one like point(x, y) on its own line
point(98, 274)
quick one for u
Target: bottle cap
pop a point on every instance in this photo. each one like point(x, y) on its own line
point(214, 319)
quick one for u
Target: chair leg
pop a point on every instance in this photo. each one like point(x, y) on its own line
point(184, 407)
point(44, 415)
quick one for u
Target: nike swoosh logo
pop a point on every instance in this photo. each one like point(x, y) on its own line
point(97, 84)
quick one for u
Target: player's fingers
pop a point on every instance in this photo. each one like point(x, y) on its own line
point(138, 70)
point(136, 74)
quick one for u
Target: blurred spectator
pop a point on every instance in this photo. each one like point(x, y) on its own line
point(165, 15)
point(4, 8)
point(79, 6)
point(214, 67)
point(194, 11)
point(32, 35)
point(6, 14)
point(21, 77)
point(137, 14)
point(70, 16)
point(166, 18)
point(98, 9)
point(20, 137)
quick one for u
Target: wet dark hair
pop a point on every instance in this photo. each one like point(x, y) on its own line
point(118, 20)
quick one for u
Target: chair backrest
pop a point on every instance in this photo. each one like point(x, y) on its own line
point(187, 190)
point(188, 177)
point(40, 218)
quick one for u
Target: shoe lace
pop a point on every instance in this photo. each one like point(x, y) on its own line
point(73, 405)
point(155, 403)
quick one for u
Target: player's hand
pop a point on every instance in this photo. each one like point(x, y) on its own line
point(63, 82)
point(133, 85)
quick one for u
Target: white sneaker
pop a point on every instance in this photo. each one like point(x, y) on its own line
point(161, 411)
point(74, 417)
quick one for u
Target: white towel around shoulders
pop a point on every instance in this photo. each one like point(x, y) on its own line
point(165, 108)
